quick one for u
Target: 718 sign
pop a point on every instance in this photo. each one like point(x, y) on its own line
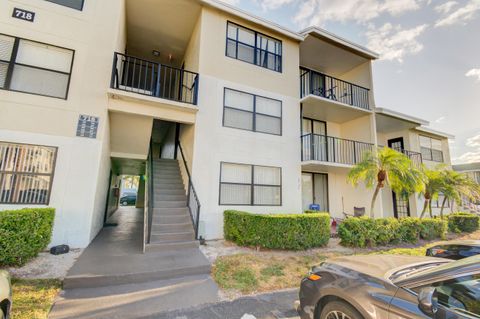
point(23, 14)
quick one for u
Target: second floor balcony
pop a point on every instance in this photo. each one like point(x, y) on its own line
point(153, 79)
point(333, 89)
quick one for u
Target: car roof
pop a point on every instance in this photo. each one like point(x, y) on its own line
point(457, 268)
point(459, 243)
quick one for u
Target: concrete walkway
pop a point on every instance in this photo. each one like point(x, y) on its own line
point(113, 278)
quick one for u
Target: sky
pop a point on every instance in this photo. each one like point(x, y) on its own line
point(429, 64)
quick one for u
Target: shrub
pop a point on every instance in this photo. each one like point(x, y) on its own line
point(432, 228)
point(463, 222)
point(275, 231)
point(24, 233)
point(365, 231)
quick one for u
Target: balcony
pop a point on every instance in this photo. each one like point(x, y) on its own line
point(328, 149)
point(152, 79)
point(330, 88)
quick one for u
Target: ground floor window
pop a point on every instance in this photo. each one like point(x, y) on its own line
point(242, 184)
point(26, 173)
point(315, 191)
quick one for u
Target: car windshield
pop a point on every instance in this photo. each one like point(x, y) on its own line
point(410, 271)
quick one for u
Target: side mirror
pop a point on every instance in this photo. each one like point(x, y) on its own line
point(427, 301)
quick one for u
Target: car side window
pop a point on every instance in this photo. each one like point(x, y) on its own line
point(461, 294)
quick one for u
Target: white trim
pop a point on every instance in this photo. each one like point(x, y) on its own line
point(325, 34)
point(435, 132)
point(401, 116)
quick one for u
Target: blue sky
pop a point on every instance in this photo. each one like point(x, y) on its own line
point(430, 55)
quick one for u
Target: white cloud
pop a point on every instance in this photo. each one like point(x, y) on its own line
point(473, 141)
point(318, 12)
point(446, 7)
point(440, 120)
point(274, 4)
point(393, 42)
point(468, 157)
point(475, 73)
point(460, 15)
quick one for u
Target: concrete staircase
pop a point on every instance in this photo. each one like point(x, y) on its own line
point(172, 227)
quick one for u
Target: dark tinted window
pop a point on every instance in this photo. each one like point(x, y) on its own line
point(461, 294)
point(74, 4)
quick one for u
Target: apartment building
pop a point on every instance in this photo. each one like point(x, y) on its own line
point(473, 171)
point(214, 108)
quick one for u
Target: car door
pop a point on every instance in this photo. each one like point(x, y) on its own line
point(457, 298)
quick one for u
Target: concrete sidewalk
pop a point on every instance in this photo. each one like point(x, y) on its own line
point(277, 305)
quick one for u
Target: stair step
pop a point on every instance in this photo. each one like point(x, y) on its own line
point(157, 247)
point(168, 197)
point(167, 186)
point(169, 204)
point(180, 227)
point(171, 219)
point(172, 237)
point(170, 211)
point(167, 191)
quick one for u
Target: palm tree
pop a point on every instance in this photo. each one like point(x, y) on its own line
point(434, 184)
point(457, 185)
point(387, 167)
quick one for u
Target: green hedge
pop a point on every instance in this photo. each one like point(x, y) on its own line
point(463, 222)
point(367, 232)
point(275, 231)
point(24, 233)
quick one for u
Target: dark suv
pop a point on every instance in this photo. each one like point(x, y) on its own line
point(392, 287)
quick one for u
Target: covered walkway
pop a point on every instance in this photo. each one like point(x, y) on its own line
point(113, 278)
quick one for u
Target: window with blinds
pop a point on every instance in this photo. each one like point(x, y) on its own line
point(250, 185)
point(34, 67)
point(74, 4)
point(253, 47)
point(26, 173)
point(431, 149)
point(252, 112)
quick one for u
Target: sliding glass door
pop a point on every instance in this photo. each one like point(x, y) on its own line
point(315, 190)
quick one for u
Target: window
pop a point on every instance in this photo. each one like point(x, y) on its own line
point(251, 185)
point(460, 295)
point(251, 112)
point(34, 67)
point(74, 4)
point(431, 149)
point(253, 47)
point(26, 173)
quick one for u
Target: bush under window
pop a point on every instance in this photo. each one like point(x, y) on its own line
point(24, 233)
point(275, 231)
point(463, 222)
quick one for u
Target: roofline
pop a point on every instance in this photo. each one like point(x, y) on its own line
point(435, 132)
point(342, 41)
point(253, 18)
point(401, 116)
point(467, 167)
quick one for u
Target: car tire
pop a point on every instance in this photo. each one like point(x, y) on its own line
point(124, 203)
point(335, 309)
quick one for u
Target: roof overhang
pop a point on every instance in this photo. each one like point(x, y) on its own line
point(252, 18)
point(391, 121)
point(435, 132)
point(468, 167)
point(335, 39)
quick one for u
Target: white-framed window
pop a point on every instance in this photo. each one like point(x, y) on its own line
point(250, 185)
point(253, 47)
point(74, 4)
point(431, 148)
point(26, 173)
point(252, 112)
point(33, 67)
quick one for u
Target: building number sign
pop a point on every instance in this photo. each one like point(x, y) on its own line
point(23, 14)
point(87, 126)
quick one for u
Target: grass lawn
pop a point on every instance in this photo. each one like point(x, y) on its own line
point(32, 299)
point(256, 272)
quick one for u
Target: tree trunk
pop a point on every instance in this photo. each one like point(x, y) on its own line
point(443, 206)
point(430, 208)
point(374, 198)
point(425, 206)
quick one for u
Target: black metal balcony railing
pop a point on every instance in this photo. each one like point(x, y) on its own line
point(319, 84)
point(415, 157)
point(144, 77)
point(333, 149)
